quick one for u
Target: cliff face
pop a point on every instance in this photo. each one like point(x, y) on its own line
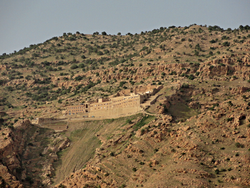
point(11, 148)
point(26, 156)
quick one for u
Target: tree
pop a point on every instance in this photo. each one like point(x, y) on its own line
point(197, 47)
point(81, 65)
point(74, 60)
point(191, 77)
point(128, 121)
point(99, 53)
point(104, 33)
point(226, 43)
point(78, 78)
point(213, 41)
point(74, 66)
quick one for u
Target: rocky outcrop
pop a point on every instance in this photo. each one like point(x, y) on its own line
point(12, 145)
point(7, 180)
point(25, 157)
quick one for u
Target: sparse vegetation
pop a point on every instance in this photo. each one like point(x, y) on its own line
point(201, 114)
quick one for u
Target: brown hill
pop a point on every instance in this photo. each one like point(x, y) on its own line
point(196, 134)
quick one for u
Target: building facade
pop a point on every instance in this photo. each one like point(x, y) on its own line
point(122, 105)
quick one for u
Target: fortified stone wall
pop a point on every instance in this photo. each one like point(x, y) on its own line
point(82, 108)
point(123, 104)
point(39, 121)
point(116, 107)
point(51, 123)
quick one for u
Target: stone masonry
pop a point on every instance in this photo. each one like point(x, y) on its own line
point(123, 104)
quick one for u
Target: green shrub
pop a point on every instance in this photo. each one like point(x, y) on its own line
point(74, 66)
point(230, 119)
point(78, 78)
point(99, 53)
point(128, 121)
point(217, 171)
point(239, 145)
point(197, 47)
point(191, 77)
point(122, 83)
point(213, 41)
point(141, 123)
point(226, 43)
point(122, 186)
point(224, 37)
point(134, 169)
point(62, 186)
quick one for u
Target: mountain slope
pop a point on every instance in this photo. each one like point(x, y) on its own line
point(195, 134)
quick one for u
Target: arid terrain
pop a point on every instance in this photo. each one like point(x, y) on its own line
point(195, 134)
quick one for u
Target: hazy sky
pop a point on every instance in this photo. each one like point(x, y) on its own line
point(25, 22)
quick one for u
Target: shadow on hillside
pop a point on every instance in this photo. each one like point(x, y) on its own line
point(181, 112)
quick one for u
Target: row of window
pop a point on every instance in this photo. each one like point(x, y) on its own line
point(100, 104)
point(124, 99)
point(115, 106)
point(83, 107)
point(80, 107)
point(80, 110)
point(73, 113)
point(110, 103)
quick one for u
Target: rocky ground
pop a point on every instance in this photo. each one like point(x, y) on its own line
point(27, 155)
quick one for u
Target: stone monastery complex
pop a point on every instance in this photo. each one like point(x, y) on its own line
point(122, 104)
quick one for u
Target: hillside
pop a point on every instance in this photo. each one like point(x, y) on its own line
point(196, 134)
